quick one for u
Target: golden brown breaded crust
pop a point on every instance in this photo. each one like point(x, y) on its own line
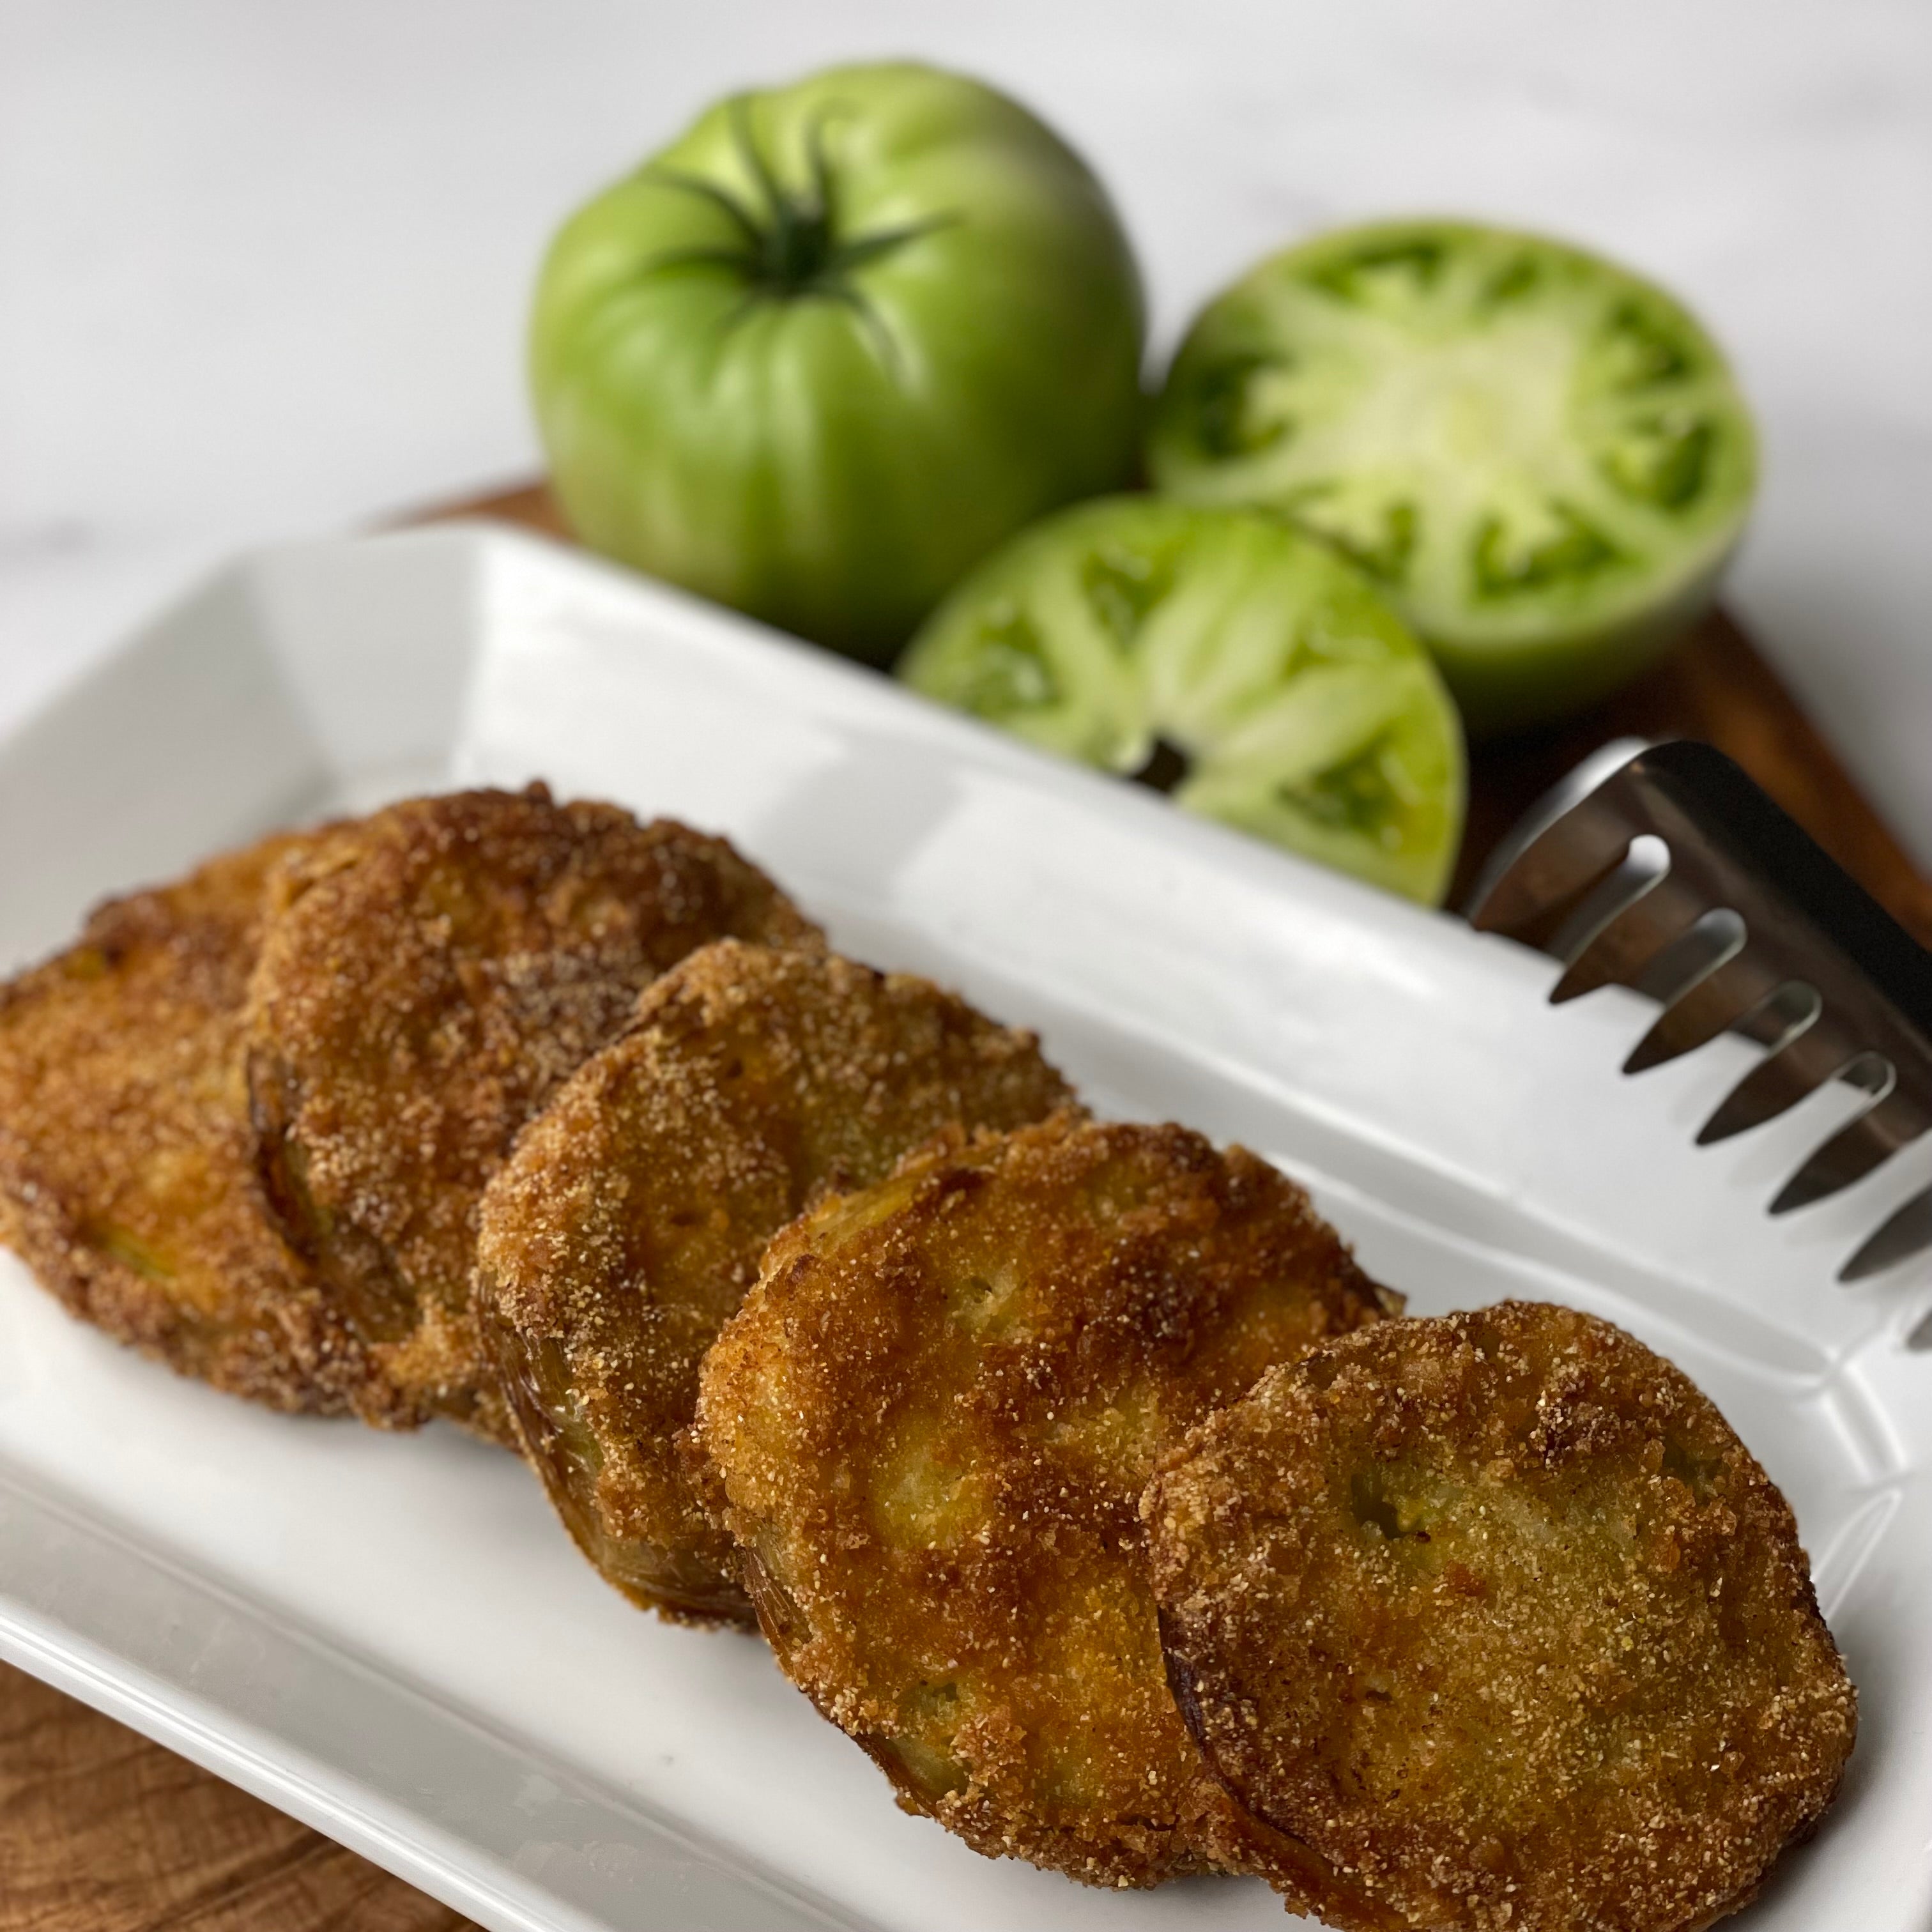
point(1496, 1612)
point(627, 1224)
point(430, 977)
point(126, 1170)
point(928, 1428)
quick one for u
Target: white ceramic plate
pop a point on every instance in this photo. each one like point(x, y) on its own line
point(389, 1637)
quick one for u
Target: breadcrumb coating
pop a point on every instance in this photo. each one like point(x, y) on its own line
point(127, 1171)
point(430, 976)
point(628, 1223)
point(929, 1429)
point(1496, 1613)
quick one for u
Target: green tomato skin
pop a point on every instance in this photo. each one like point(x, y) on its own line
point(1508, 690)
point(1511, 664)
point(832, 461)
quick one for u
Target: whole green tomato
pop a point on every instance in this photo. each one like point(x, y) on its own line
point(834, 344)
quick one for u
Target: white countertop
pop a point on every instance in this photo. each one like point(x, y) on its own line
point(263, 268)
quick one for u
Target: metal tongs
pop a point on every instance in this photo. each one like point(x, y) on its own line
point(1669, 872)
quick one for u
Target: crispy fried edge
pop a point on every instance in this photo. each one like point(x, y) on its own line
point(1225, 1836)
point(355, 1263)
point(1341, 1898)
point(297, 1356)
point(678, 1015)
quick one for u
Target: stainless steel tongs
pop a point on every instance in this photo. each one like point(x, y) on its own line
point(1670, 872)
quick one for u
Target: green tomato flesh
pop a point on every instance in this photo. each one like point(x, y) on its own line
point(834, 344)
point(1223, 658)
point(1543, 459)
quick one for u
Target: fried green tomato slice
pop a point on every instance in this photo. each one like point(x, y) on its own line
point(628, 1223)
point(127, 1174)
point(430, 977)
point(929, 1429)
point(1496, 1613)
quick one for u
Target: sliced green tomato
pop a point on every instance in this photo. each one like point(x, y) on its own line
point(1541, 459)
point(1221, 657)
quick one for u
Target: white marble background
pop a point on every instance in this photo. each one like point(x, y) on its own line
point(263, 263)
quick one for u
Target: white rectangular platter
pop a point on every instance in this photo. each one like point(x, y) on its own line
point(390, 1638)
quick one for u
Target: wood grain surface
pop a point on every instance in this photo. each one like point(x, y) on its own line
point(102, 1831)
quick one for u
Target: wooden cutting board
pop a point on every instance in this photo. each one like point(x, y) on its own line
point(102, 1831)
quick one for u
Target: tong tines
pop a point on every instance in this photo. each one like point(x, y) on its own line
point(1671, 873)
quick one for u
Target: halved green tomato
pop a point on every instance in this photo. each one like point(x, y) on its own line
point(1541, 459)
point(1220, 656)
